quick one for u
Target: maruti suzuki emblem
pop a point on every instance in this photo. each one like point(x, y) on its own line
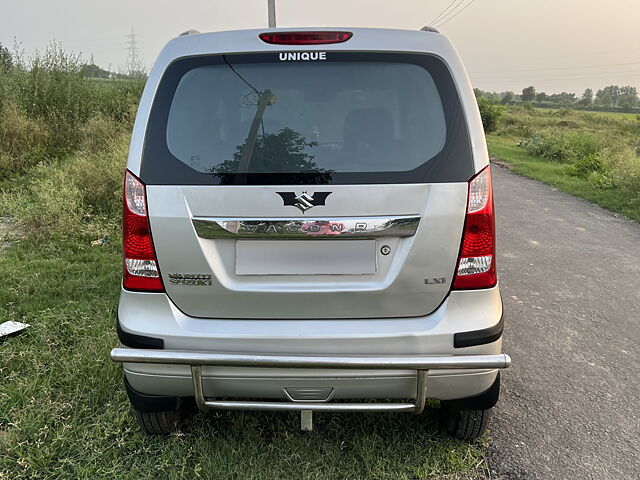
point(305, 200)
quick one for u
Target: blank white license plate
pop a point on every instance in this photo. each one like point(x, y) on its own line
point(306, 257)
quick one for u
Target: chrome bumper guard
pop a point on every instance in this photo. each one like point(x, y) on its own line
point(422, 364)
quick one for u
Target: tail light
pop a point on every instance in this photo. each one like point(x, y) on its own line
point(140, 269)
point(477, 260)
point(305, 38)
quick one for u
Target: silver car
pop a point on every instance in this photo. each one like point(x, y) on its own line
point(309, 226)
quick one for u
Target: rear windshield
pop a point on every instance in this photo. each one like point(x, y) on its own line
point(264, 119)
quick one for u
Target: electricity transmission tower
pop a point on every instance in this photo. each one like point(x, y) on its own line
point(134, 66)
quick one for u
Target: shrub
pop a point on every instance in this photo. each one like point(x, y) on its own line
point(53, 90)
point(118, 99)
point(588, 165)
point(49, 202)
point(49, 110)
point(528, 107)
point(566, 147)
point(63, 142)
point(18, 133)
point(22, 141)
point(99, 178)
point(513, 124)
point(99, 134)
point(605, 162)
point(73, 196)
point(490, 113)
point(624, 164)
point(602, 179)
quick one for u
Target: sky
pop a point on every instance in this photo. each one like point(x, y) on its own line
point(554, 45)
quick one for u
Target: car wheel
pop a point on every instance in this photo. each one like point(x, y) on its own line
point(158, 423)
point(464, 424)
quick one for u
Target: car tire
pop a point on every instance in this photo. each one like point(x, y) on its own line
point(464, 424)
point(158, 423)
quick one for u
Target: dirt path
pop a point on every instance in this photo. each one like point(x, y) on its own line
point(570, 280)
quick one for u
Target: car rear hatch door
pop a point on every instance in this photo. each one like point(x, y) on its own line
point(333, 189)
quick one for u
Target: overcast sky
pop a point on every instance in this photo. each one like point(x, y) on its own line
point(554, 45)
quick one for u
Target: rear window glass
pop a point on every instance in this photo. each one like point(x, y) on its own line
point(352, 118)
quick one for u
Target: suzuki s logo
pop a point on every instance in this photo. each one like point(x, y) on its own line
point(305, 56)
point(305, 200)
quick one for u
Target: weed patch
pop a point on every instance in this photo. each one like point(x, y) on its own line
point(50, 110)
point(559, 176)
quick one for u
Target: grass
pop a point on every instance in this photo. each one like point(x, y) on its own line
point(611, 115)
point(64, 412)
point(592, 155)
point(554, 174)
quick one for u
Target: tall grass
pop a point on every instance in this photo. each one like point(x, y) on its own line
point(603, 149)
point(63, 142)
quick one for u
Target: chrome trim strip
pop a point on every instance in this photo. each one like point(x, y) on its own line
point(420, 363)
point(306, 228)
point(409, 362)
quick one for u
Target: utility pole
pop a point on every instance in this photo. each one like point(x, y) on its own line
point(271, 7)
point(134, 62)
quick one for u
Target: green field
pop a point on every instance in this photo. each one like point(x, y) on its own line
point(592, 155)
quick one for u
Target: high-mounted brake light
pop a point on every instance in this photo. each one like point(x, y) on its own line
point(304, 38)
point(476, 263)
point(140, 268)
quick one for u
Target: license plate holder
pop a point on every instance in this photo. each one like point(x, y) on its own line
point(306, 257)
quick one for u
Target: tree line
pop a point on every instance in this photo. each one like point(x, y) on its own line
point(612, 98)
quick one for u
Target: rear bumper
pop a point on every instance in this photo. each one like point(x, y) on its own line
point(422, 365)
point(466, 324)
point(153, 315)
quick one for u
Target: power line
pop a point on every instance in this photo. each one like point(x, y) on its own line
point(444, 20)
point(566, 76)
point(561, 68)
point(444, 11)
point(534, 81)
point(455, 15)
point(550, 79)
point(560, 57)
